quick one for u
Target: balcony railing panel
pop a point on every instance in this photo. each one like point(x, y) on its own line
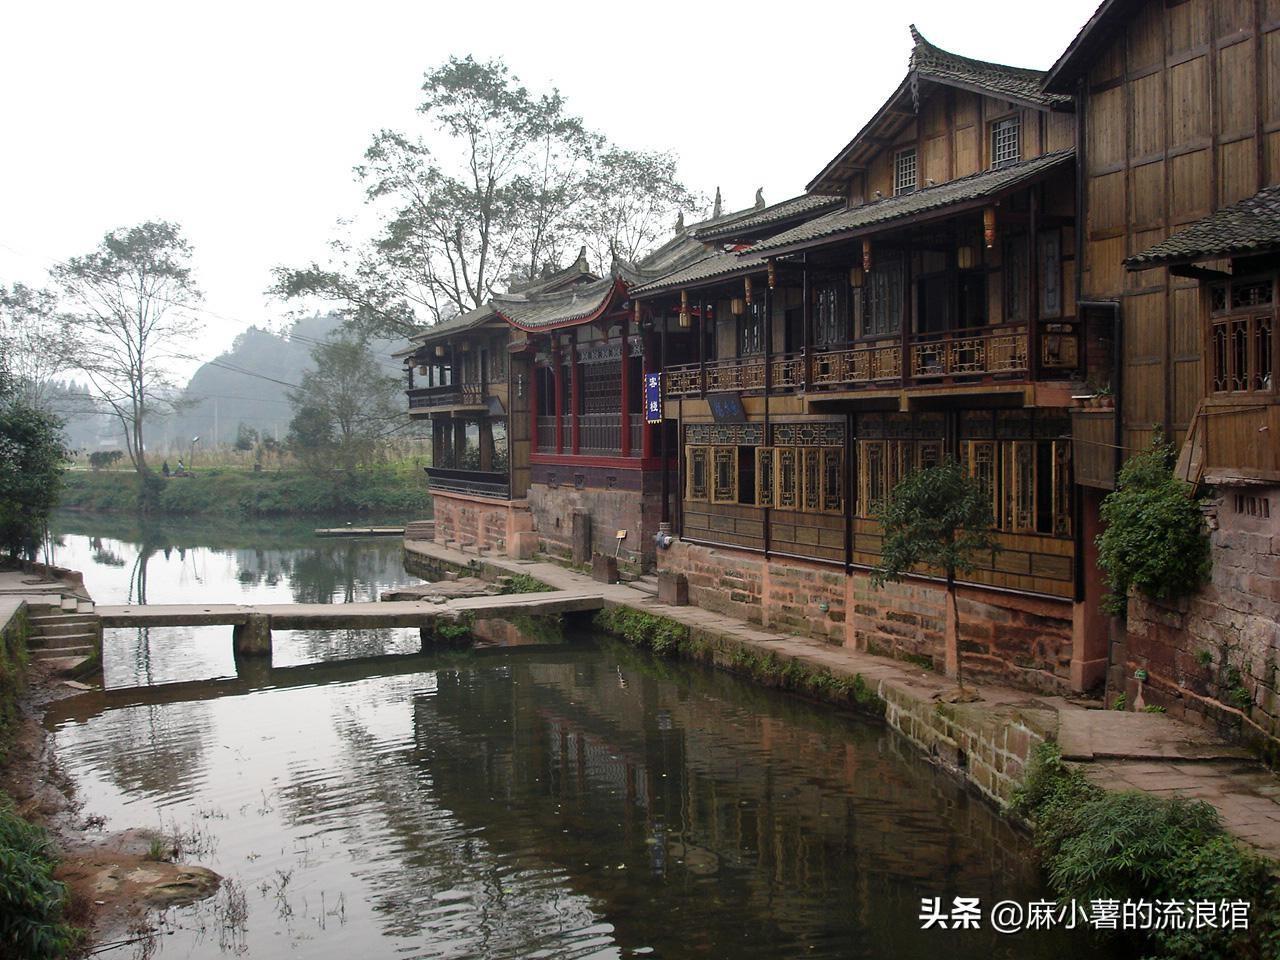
point(453, 395)
point(637, 434)
point(736, 373)
point(600, 434)
point(546, 434)
point(992, 351)
point(857, 364)
point(683, 380)
point(787, 371)
point(476, 483)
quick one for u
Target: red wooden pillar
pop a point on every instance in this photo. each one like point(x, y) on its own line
point(575, 398)
point(625, 364)
point(646, 434)
point(556, 375)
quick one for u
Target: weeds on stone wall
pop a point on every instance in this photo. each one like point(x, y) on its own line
point(1154, 538)
point(452, 632)
point(13, 673)
point(33, 925)
point(660, 635)
point(522, 583)
point(1104, 845)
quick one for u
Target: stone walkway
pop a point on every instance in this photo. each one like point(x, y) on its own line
point(1124, 751)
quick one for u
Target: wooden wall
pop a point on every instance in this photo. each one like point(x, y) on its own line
point(952, 139)
point(519, 440)
point(1182, 117)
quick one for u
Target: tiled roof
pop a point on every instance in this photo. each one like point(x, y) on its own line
point(1016, 83)
point(755, 219)
point(555, 309)
point(463, 321)
point(711, 266)
point(973, 187)
point(1250, 226)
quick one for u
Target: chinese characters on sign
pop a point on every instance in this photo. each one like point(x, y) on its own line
point(653, 398)
point(1010, 916)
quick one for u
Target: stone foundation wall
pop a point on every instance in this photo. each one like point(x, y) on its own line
point(476, 523)
point(636, 511)
point(1020, 641)
point(1215, 658)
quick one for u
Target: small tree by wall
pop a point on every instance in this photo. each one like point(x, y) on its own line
point(939, 519)
point(1154, 538)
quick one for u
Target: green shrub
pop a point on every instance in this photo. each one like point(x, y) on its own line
point(523, 583)
point(1099, 844)
point(1154, 539)
point(32, 903)
point(662, 636)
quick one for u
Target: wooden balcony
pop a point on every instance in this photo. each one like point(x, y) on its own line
point(878, 362)
point(964, 354)
point(476, 483)
point(1240, 441)
point(451, 396)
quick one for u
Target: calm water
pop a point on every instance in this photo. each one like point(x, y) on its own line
point(545, 800)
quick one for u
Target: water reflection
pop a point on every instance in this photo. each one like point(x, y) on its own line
point(537, 801)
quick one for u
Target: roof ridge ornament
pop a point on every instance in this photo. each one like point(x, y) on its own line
point(760, 204)
point(715, 208)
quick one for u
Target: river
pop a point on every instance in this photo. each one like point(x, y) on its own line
point(572, 799)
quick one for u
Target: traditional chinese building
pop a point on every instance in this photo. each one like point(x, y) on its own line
point(923, 306)
point(1179, 156)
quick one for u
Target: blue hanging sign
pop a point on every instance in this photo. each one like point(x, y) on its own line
point(653, 398)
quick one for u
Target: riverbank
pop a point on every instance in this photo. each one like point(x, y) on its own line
point(77, 884)
point(1148, 775)
point(395, 489)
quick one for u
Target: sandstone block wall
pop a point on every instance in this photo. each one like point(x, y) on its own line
point(635, 511)
point(1215, 658)
point(1023, 642)
point(474, 523)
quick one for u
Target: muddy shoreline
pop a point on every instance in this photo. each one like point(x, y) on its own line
point(116, 879)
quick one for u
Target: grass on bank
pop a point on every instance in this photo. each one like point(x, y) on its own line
point(399, 489)
point(1100, 844)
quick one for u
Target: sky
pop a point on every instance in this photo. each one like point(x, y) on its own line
point(242, 122)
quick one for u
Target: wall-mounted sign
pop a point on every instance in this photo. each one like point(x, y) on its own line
point(653, 398)
point(726, 408)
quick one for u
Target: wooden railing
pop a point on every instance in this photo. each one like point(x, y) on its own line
point(984, 351)
point(600, 434)
point(857, 364)
point(683, 380)
point(787, 371)
point(478, 483)
point(546, 434)
point(736, 373)
point(452, 395)
point(637, 434)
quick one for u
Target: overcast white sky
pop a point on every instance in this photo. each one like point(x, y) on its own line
point(242, 122)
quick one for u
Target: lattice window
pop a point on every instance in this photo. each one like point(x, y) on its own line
point(882, 291)
point(905, 177)
point(764, 476)
point(1050, 274)
point(832, 480)
point(1062, 499)
point(872, 485)
point(696, 470)
point(751, 330)
point(1006, 147)
point(724, 474)
point(829, 327)
point(978, 458)
point(1020, 487)
point(1016, 277)
point(928, 454)
point(601, 387)
point(811, 462)
point(787, 488)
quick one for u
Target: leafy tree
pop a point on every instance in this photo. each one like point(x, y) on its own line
point(504, 182)
point(99, 459)
point(1154, 537)
point(129, 319)
point(31, 461)
point(345, 408)
point(936, 517)
point(30, 335)
point(246, 437)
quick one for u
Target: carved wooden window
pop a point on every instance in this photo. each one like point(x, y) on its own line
point(764, 476)
point(978, 457)
point(928, 454)
point(1020, 487)
point(810, 458)
point(1005, 141)
point(751, 329)
point(871, 475)
point(905, 176)
point(882, 291)
point(787, 488)
point(696, 486)
point(829, 327)
point(832, 480)
point(724, 474)
point(1062, 500)
point(1016, 277)
point(1050, 274)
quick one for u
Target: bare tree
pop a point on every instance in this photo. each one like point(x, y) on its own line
point(129, 319)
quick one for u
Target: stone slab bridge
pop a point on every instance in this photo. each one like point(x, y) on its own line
point(252, 623)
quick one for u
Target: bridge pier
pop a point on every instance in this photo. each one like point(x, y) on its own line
point(253, 637)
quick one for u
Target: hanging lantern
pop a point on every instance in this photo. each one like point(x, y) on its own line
point(773, 275)
point(466, 346)
point(439, 349)
point(737, 306)
point(747, 287)
point(637, 313)
point(423, 369)
point(966, 258)
point(686, 321)
point(866, 256)
point(989, 227)
point(856, 276)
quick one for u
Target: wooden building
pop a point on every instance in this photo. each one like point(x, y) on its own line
point(1179, 153)
point(917, 303)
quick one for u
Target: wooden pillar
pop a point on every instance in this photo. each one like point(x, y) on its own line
point(486, 444)
point(557, 375)
point(575, 394)
point(702, 344)
point(646, 435)
point(806, 314)
point(533, 402)
point(459, 442)
point(1033, 287)
point(625, 363)
point(437, 441)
